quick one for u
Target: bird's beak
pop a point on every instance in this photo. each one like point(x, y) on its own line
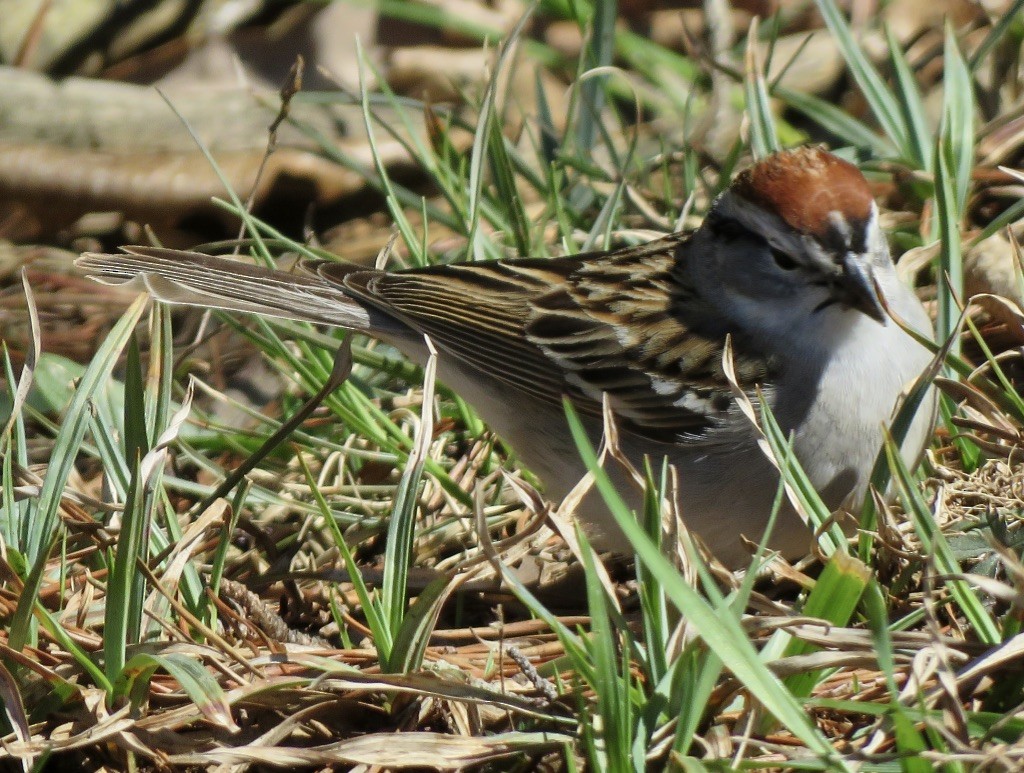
point(861, 290)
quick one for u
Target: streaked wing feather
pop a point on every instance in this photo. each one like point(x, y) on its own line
point(476, 312)
point(630, 326)
point(620, 323)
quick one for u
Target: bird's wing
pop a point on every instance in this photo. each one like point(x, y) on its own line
point(630, 326)
point(620, 323)
point(473, 311)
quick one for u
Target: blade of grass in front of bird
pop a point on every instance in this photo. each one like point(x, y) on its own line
point(402, 528)
point(653, 604)
point(375, 619)
point(779, 451)
point(683, 686)
point(676, 694)
point(694, 675)
point(898, 430)
point(800, 486)
point(722, 633)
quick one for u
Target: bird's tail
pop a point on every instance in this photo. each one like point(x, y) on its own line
point(195, 279)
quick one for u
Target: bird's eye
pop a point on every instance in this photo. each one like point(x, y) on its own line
point(783, 260)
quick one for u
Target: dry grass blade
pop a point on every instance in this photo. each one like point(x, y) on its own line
point(397, 750)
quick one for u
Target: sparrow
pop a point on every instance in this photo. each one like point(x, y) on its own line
point(790, 264)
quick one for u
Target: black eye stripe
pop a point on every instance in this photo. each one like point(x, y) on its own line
point(783, 259)
point(839, 239)
point(727, 229)
point(859, 238)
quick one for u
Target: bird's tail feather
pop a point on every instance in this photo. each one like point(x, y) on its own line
point(195, 279)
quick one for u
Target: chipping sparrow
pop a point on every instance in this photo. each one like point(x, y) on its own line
point(790, 262)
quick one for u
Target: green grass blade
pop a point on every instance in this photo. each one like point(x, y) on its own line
point(832, 538)
point(598, 53)
point(911, 105)
point(880, 474)
point(883, 102)
point(375, 620)
point(612, 686)
point(65, 451)
point(122, 613)
point(200, 686)
point(402, 529)
point(951, 273)
point(908, 740)
point(1006, 20)
point(413, 636)
point(934, 544)
point(764, 138)
point(834, 598)
point(958, 119)
point(836, 121)
point(722, 633)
